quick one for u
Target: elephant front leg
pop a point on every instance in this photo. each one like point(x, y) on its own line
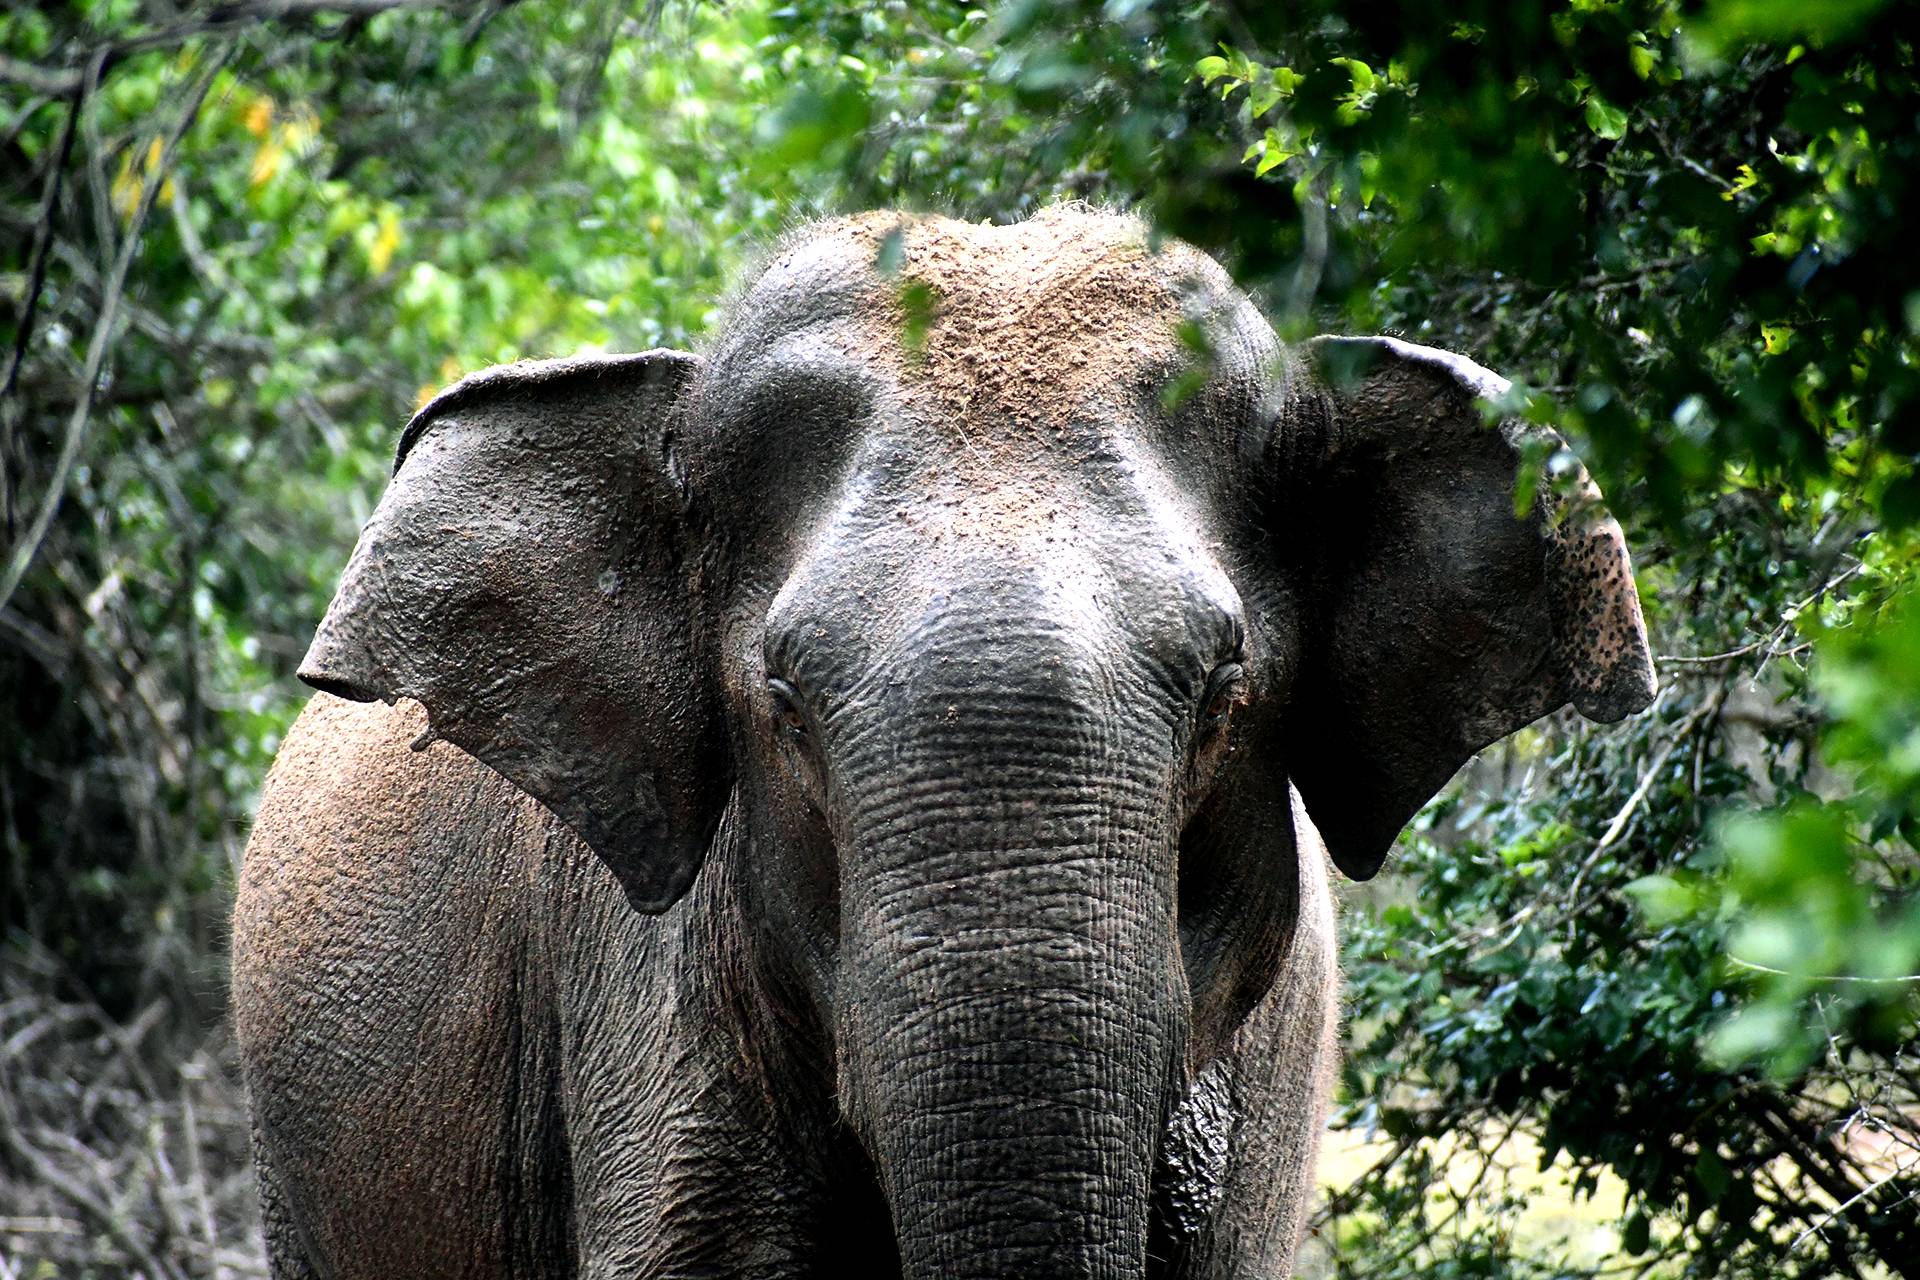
point(703, 1183)
point(1236, 1181)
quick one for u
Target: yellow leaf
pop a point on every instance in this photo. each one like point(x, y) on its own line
point(301, 128)
point(154, 151)
point(127, 187)
point(259, 115)
point(386, 238)
point(266, 161)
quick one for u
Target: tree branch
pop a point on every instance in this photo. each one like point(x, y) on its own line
point(102, 340)
point(36, 281)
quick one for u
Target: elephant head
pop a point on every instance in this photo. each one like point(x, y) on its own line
point(1005, 627)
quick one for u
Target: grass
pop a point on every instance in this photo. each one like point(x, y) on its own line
point(1544, 1215)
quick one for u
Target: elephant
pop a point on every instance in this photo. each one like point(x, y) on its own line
point(864, 799)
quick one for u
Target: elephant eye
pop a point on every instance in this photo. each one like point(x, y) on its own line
point(786, 708)
point(1225, 688)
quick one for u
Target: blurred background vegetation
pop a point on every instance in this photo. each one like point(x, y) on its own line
point(1635, 1001)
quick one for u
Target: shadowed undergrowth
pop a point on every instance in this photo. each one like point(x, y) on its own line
point(123, 1145)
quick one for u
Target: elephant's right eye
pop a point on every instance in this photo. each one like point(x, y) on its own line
point(786, 708)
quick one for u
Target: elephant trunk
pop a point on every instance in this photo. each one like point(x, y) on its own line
point(1017, 1013)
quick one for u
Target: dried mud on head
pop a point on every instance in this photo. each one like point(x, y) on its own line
point(1000, 329)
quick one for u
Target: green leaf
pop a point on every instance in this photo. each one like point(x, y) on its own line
point(810, 122)
point(1661, 898)
point(1757, 1032)
point(892, 251)
point(1362, 74)
point(1605, 119)
point(919, 304)
point(1273, 152)
point(1727, 24)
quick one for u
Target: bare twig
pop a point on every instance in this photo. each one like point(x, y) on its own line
point(54, 82)
point(1313, 251)
point(60, 81)
point(1571, 903)
point(1824, 977)
point(156, 1163)
point(35, 641)
point(211, 273)
point(80, 1195)
point(196, 1170)
point(36, 281)
point(1771, 641)
point(1705, 711)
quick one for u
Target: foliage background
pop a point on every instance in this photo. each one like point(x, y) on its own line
point(1662, 968)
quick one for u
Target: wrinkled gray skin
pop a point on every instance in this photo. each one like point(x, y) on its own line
point(1006, 715)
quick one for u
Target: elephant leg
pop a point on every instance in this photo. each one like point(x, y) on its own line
point(1238, 1173)
point(700, 1144)
point(707, 1201)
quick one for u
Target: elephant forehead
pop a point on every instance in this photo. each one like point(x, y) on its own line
point(997, 329)
point(911, 553)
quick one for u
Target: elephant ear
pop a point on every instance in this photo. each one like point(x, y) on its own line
point(1436, 620)
point(526, 578)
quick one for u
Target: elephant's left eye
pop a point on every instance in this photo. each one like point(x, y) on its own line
point(1225, 687)
point(786, 708)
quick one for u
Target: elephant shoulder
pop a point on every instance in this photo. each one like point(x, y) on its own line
point(369, 860)
point(351, 810)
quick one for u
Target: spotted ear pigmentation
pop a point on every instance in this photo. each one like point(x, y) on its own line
point(1600, 637)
